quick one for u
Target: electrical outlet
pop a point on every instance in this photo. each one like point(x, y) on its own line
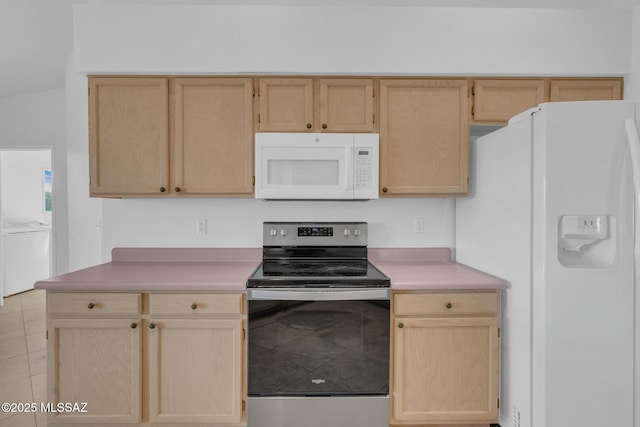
point(201, 226)
point(418, 225)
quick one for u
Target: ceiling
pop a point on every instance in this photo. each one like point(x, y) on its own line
point(36, 36)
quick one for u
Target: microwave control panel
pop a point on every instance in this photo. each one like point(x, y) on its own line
point(363, 167)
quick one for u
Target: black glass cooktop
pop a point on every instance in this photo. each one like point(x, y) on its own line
point(314, 273)
point(314, 268)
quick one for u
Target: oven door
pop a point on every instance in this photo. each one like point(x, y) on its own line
point(318, 357)
point(318, 341)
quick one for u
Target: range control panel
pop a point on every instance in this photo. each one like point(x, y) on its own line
point(314, 234)
point(315, 231)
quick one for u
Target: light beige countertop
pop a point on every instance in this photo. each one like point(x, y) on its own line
point(430, 268)
point(163, 269)
point(227, 269)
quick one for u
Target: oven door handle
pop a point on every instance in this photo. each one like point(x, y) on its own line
point(319, 294)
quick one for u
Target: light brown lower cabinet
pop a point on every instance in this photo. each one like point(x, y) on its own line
point(147, 359)
point(445, 358)
point(95, 363)
point(195, 371)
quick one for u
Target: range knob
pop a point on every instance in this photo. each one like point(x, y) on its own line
point(356, 232)
point(283, 232)
point(273, 232)
point(346, 232)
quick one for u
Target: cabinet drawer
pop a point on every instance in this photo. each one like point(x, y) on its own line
point(446, 303)
point(90, 303)
point(195, 304)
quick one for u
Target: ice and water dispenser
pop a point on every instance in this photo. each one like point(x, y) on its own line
point(586, 241)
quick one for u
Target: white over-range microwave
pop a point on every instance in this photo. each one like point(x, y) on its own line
point(317, 166)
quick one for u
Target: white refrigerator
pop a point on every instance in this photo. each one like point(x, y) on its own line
point(551, 210)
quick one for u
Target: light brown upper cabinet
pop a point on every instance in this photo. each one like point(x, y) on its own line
point(286, 105)
point(346, 105)
point(424, 137)
point(586, 90)
point(213, 145)
point(208, 152)
point(316, 105)
point(128, 135)
point(497, 100)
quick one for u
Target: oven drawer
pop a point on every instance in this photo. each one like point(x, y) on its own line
point(443, 303)
point(196, 304)
point(94, 303)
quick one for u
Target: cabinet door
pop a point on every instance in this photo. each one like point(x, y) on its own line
point(346, 105)
point(213, 145)
point(496, 101)
point(445, 370)
point(286, 105)
point(128, 135)
point(586, 90)
point(424, 137)
point(195, 370)
point(96, 361)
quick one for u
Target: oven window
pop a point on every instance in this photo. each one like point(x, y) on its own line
point(318, 348)
point(303, 172)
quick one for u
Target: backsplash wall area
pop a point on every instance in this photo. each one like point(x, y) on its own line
point(238, 222)
point(238, 40)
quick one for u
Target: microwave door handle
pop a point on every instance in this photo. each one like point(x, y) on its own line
point(348, 170)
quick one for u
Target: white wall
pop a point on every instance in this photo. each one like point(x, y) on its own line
point(37, 120)
point(147, 39)
point(361, 40)
point(84, 213)
point(238, 223)
point(21, 184)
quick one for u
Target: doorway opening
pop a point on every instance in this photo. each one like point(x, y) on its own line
point(27, 206)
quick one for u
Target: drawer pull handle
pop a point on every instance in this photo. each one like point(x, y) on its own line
point(90, 305)
point(308, 125)
point(134, 325)
point(177, 189)
point(384, 189)
point(400, 325)
point(162, 189)
point(324, 126)
point(194, 306)
point(152, 325)
point(449, 305)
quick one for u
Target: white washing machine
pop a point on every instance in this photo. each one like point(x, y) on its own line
point(25, 258)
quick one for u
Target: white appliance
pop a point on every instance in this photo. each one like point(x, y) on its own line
point(551, 210)
point(25, 258)
point(335, 166)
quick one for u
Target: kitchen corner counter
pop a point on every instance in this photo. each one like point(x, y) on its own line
point(163, 269)
point(430, 269)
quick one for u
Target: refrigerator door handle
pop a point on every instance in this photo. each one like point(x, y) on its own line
point(634, 149)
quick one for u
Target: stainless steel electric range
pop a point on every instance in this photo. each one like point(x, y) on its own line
point(318, 329)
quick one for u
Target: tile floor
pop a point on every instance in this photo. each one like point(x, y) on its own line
point(23, 368)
